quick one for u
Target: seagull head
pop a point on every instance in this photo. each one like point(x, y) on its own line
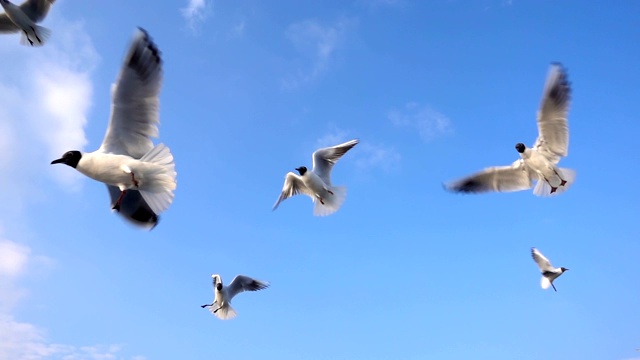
point(563, 269)
point(302, 170)
point(219, 286)
point(520, 147)
point(70, 158)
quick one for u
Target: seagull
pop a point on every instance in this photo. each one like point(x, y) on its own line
point(24, 18)
point(549, 273)
point(537, 163)
point(317, 182)
point(140, 177)
point(224, 294)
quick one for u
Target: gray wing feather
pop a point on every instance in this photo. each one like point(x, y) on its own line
point(244, 283)
point(499, 178)
point(6, 25)
point(325, 158)
point(293, 185)
point(543, 263)
point(36, 10)
point(553, 128)
point(135, 100)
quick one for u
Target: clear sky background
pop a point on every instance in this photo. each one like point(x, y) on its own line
point(434, 90)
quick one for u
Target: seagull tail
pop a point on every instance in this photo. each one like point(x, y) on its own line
point(158, 179)
point(544, 189)
point(39, 36)
point(331, 202)
point(545, 283)
point(225, 313)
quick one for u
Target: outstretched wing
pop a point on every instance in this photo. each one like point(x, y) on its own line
point(325, 158)
point(553, 128)
point(134, 208)
point(293, 185)
point(135, 100)
point(541, 260)
point(244, 283)
point(36, 10)
point(498, 178)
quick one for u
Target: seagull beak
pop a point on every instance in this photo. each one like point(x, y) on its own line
point(57, 161)
point(297, 169)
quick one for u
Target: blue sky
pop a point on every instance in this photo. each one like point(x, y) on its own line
point(434, 91)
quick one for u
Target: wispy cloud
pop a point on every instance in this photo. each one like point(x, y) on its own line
point(429, 122)
point(317, 43)
point(367, 155)
point(196, 12)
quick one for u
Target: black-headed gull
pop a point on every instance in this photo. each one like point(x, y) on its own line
point(317, 182)
point(221, 305)
point(537, 163)
point(549, 273)
point(140, 177)
point(24, 18)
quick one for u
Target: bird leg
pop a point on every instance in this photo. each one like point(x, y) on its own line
point(116, 206)
point(205, 305)
point(562, 181)
point(329, 191)
point(320, 199)
point(133, 179)
point(36, 34)
point(554, 287)
point(553, 188)
point(26, 34)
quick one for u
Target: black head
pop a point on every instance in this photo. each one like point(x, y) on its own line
point(563, 269)
point(70, 158)
point(219, 286)
point(520, 147)
point(302, 170)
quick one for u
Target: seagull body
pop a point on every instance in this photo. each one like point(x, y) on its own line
point(538, 163)
point(24, 18)
point(221, 306)
point(317, 182)
point(140, 177)
point(549, 273)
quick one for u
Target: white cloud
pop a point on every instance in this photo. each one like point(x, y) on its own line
point(367, 155)
point(429, 123)
point(318, 44)
point(196, 12)
point(13, 258)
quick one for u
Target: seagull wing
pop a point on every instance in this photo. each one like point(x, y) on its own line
point(36, 10)
point(325, 158)
point(134, 208)
point(244, 283)
point(543, 262)
point(293, 185)
point(498, 178)
point(6, 25)
point(135, 100)
point(553, 129)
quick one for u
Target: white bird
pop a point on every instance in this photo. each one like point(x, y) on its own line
point(317, 182)
point(24, 18)
point(537, 163)
point(224, 294)
point(140, 177)
point(549, 273)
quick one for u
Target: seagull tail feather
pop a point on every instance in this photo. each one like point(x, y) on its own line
point(331, 202)
point(159, 178)
point(225, 313)
point(40, 32)
point(544, 189)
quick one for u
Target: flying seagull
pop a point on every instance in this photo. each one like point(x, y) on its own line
point(140, 177)
point(221, 305)
point(537, 163)
point(24, 18)
point(317, 182)
point(549, 273)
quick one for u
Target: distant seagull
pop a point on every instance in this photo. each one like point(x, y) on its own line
point(224, 294)
point(24, 18)
point(549, 273)
point(140, 177)
point(317, 182)
point(537, 163)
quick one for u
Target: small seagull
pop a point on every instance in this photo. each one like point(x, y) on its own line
point(549, 273)
point(24, 18)
point(140, 177)
point(224, 294)
point(317, 182)
point(537, 163)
